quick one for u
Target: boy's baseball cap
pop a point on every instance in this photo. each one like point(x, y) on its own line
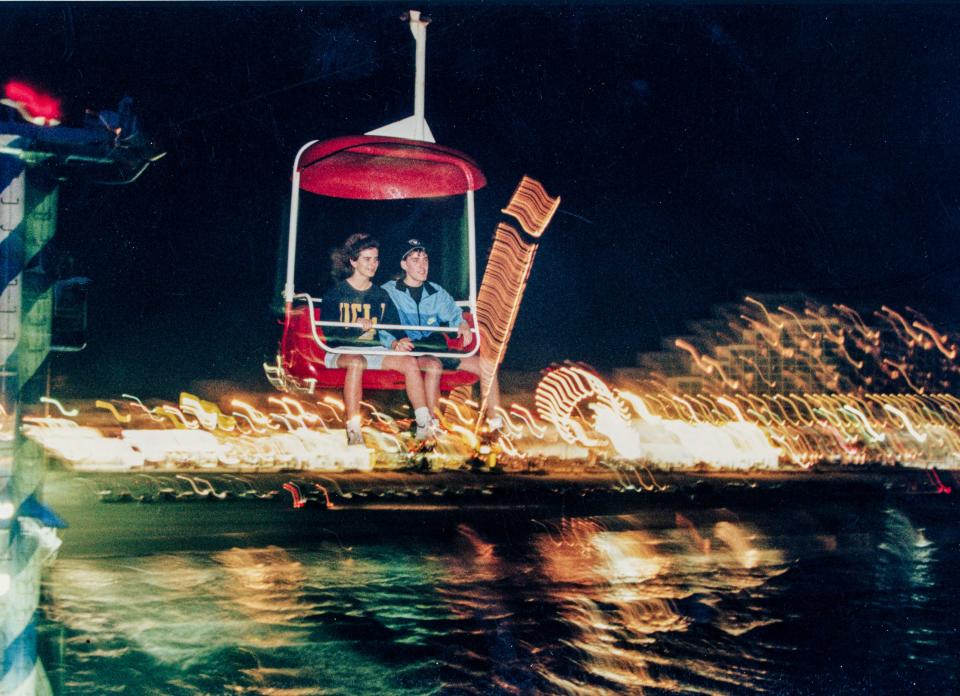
point(412, 246)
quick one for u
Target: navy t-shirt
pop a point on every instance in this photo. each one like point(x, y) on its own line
point(345, 303)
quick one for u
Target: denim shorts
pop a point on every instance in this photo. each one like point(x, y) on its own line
point(374, 360)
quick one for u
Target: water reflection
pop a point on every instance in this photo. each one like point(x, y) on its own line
point(714, 601)
point(266, 585)
point(631, 597)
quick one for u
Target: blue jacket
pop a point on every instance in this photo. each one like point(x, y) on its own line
point(436, 308)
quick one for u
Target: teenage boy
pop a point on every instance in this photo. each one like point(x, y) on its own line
point(422, 303)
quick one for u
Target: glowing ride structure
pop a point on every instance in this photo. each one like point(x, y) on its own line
point(398, 162)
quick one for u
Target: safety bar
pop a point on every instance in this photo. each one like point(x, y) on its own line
point(399, 327)
point(355, 350)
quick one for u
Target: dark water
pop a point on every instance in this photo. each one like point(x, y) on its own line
point(801, 600)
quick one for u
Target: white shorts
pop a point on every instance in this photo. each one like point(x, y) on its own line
point(374, 361)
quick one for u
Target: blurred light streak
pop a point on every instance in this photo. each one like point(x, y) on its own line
point(107, 406)
point(288, 415)
point(941, 487)
point(253, 414)
point(326, 495)
point(378, 415)
point(177, 417)
point(192, 405)
point(70, 414)
point(527, 417)
point(778, 324)
point(468, 435)
point(335, 404)
point(140, 404)
point(451, 406)
point(532, 206)
point(906, 422)
point(294, 490)
point(938, 340)
point(253, 426)
point(511, 428)
point(336, 415)
point(306, 417)
point(283, 419)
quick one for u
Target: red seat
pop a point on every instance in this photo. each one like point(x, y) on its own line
point(302, 358)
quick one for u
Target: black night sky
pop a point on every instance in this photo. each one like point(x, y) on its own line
point(701, 152)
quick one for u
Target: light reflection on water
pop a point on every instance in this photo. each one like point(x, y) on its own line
point(715, 602)
point(628, 591)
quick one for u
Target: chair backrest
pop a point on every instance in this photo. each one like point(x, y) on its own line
point(297, 343)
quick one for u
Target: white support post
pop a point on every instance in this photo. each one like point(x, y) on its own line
point(472, 241)
point(418, 28)
point(414, 127)
point(292, 229)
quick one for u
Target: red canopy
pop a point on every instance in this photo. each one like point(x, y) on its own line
point(374, 167)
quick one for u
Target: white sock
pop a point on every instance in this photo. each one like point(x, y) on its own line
point(353, 425)
point(423, 416)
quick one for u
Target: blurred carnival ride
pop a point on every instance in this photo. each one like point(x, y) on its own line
point(898, 406)
point(579, 421)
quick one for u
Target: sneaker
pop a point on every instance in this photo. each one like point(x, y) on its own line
point(426, 432)
point(354, 438)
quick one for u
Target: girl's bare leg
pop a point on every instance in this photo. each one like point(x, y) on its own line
point(352, 383)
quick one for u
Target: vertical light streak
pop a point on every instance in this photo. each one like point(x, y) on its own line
point(506, 274)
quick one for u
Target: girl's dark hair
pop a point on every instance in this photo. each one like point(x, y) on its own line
point(340, 257)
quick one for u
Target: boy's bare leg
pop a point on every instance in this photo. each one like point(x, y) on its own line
point(432, 372)
point(413, 379)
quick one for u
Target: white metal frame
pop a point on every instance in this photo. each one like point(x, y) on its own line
point(412, 128)
point(351, 350)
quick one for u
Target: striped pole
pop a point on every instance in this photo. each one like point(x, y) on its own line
point(27, 222)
